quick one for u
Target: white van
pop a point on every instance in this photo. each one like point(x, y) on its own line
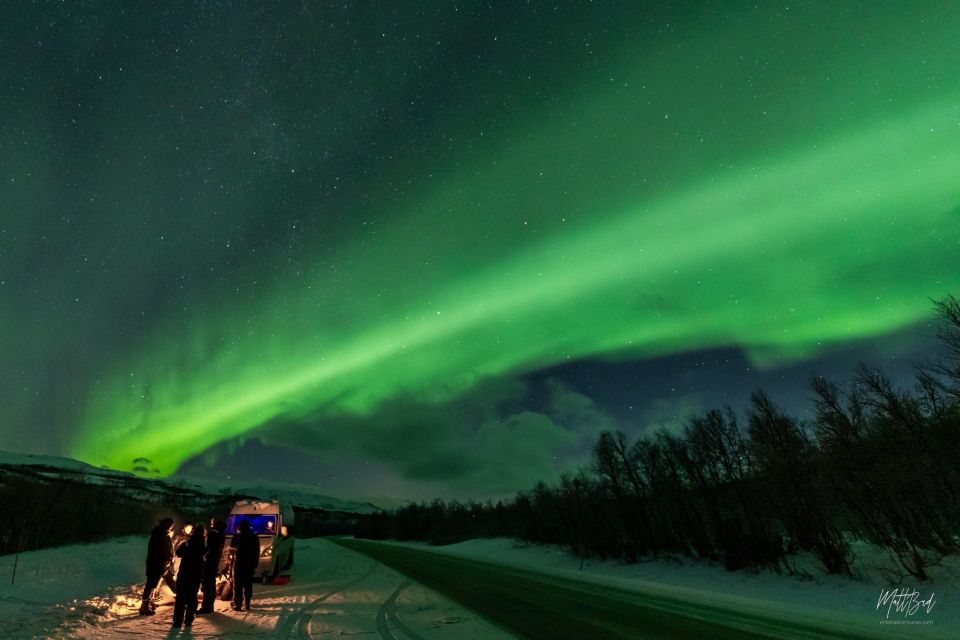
point(272, 524)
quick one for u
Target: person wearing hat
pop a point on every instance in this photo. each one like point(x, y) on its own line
point(211, 565)
point(159, 556)
point(246, 545)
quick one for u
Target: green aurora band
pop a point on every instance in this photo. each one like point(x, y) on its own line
point(816, 238)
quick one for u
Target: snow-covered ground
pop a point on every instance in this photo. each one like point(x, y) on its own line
point(92, 591)
point(814, 596)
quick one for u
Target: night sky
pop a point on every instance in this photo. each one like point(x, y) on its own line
point(434, 248)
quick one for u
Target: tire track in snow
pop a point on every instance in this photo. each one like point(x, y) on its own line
point(297, 624)
point(388, 611)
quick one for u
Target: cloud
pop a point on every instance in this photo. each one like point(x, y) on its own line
point(500, 437)
point(672, 413)
point(577, 412)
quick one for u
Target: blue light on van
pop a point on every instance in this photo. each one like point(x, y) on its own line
point(265, 524)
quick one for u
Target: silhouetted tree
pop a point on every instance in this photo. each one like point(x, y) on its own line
point(876, 462)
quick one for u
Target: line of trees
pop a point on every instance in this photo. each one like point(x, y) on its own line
point(876, 463)
point(49, 506)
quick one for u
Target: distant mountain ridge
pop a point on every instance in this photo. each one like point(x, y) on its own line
point(293, 495)
point(51, 501)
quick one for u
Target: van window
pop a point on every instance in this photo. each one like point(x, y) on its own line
point(261, 524)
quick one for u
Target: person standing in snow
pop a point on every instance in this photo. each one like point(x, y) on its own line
point(179, 538)
point(159, 555)
point(246, 546)
point(211, 565)
point(191, 554)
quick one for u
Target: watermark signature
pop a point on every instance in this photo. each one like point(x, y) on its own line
point(903, 604)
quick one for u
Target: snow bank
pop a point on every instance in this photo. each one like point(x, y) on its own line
point(812, 596)
point(71, 583)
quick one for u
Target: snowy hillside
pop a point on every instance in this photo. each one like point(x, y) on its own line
point(298, 495)
point(52, 501)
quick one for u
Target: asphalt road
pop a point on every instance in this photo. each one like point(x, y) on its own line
point(539, 605)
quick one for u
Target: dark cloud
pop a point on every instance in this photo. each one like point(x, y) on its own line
point(499, 438)
point(505, 434)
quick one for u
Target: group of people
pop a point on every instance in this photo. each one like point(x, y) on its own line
point(199, 549)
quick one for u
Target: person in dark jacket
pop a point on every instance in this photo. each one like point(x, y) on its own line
point(191, 554)
point(211, 565)
point(179, 538)
point(246, 546)
point(159, 556)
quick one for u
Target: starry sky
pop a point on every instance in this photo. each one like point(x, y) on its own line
point(434, 248)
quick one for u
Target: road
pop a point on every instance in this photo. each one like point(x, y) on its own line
point(550, 606)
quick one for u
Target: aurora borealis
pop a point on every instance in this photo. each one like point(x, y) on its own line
point(357, 231)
